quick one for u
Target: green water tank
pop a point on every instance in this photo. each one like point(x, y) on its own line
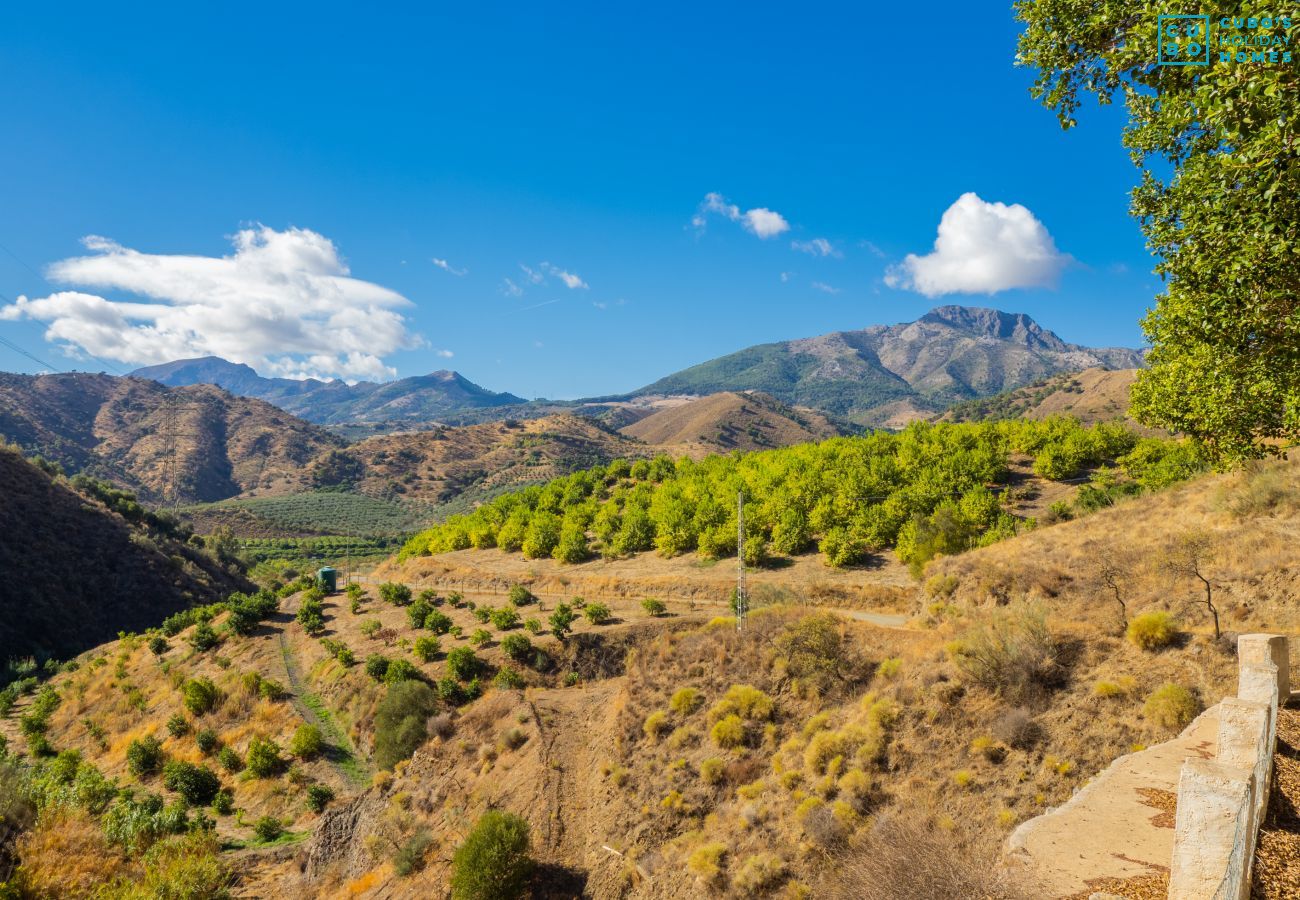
point(328, 578)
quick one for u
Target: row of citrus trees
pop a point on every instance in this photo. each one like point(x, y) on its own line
point(929, 489)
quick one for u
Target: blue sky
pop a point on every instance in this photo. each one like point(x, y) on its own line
point(579, 141)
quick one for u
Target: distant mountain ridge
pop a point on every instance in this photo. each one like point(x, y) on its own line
point(166, 444)
point(912, 369)
point(420, 398)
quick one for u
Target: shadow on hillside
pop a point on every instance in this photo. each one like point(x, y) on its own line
point(555, 882)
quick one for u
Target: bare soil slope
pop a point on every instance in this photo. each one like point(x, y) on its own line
point(186, 444)
point(733, 421)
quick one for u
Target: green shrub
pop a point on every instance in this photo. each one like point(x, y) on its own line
point(318, 797)
point(204, 638)
point(401, 670)
point(1152, 631)
point(426, 648)
point(201, 695)
point(371, 627)
point(521, 596)
point(533, 626)
point(401, 721)
point(516, 646)
point(377, 666)
point(144, 756)
point(230, 760)
point(223, 804)
point(462, 663)
point(270, 689)
point(178, 726)
point(311, 615)
point(596, 613)
point(482, 614)
point(263, 758)
point(206, 741)
point(396, 594)
point(158, 645)
point(437, 622)
point(504, 619)
point(197, 785)
point(1171, 706)
point(508, 678)
point(494, 862)
point(654, 607)
point(307, 742)
point(561, 620)
point(268, 828)
point(418, 612)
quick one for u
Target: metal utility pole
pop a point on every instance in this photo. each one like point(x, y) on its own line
point(742, 601)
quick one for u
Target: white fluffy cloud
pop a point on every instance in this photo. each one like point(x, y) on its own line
point(817, 247)
point(982, 248)
point(760, 221)
point(282, 302)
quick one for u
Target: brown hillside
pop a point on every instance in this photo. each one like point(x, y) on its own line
point(439, 464)
point(75, 574)
point(733, 421)
point(860, 734)
point(1092, 395)
point(189, 444)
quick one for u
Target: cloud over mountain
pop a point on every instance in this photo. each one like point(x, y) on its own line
point(283, 302)
point(982, 248)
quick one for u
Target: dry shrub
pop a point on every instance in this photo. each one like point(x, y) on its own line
point(67, 855)
point(759, 872)
point(1152, 631)
point(903, 858)
point(1011, 652)
point(1017, 728)
point(1171, 706)
point(1262, 490)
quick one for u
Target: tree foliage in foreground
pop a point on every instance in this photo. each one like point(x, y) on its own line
point(927, 490)
point(1219, 204)
point(493, 863)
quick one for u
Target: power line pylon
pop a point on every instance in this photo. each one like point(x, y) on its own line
point(742, 600)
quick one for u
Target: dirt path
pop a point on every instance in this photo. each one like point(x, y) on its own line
point(341, 754)
point(568, 720)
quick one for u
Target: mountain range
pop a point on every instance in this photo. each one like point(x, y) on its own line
point(880, 375)
point(887, 374)
point(421, 398)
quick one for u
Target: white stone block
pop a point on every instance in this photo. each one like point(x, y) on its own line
point(1211, 827)
point(1256, 649)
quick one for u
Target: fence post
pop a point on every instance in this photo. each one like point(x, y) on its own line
point(1215, 805)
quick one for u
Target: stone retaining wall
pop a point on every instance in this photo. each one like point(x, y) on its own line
point(1221, 801)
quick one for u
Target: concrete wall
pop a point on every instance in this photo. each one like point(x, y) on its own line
point(1221, 802)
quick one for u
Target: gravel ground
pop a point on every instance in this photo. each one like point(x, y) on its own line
point(1277, 857)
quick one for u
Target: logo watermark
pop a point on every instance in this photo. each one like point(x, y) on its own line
point(1199, 40)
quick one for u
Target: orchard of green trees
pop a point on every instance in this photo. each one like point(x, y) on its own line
point(930, 489)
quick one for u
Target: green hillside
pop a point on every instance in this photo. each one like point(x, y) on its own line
point(928, 490)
